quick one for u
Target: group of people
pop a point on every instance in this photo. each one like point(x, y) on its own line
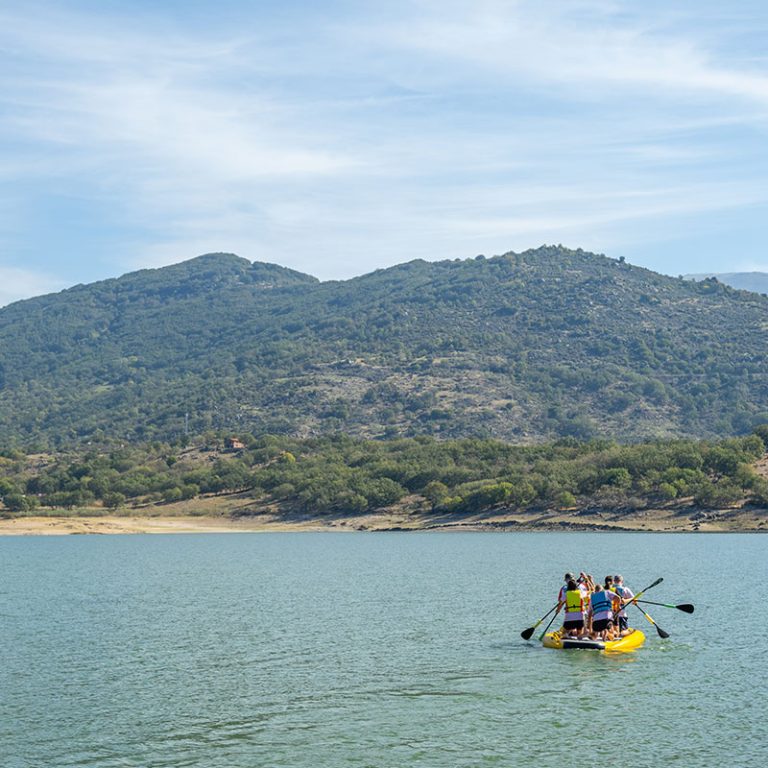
point(592, 610)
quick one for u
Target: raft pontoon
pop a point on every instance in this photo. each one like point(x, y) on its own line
point(629, 642)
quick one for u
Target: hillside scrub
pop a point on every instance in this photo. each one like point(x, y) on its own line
point(339, 475)
point(522, 347)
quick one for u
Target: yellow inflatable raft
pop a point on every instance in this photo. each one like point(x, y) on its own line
point(629, 642)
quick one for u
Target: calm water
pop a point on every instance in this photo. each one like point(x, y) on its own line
point(371, 650)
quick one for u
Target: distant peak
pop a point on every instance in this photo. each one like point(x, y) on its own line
point(219, 257)
point(225, 266)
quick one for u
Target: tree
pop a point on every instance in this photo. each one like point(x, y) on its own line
point(617, 477)
point(7, 487)
point(172, 494)
point(113, 499)
point(18, 502)
point(667, 491)
point(762, 432)
point(436, 493)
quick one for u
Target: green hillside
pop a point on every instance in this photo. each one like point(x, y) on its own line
point(546, 343)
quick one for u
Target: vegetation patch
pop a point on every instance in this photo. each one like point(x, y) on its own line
point(523, 347)
point(341, 475)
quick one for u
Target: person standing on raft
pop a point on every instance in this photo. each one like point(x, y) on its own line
point(626, 595)
point(561, 594)
point(587, 586)
point(575, 607)
point(601, 611)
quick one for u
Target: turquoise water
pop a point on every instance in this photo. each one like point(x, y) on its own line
point(371, 650)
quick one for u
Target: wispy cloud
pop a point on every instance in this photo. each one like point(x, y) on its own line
point(370, 134)
point(181, 134)
point(580, 46)
point(168, 103)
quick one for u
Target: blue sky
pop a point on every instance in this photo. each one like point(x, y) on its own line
point(340, 137)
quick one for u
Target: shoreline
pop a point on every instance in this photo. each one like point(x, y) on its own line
point(648, 521)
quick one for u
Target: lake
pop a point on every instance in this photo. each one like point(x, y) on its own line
point(360, 649)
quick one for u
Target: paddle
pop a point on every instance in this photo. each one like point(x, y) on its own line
point(684, 607)
point(650, 586)
point(661, 632)
point(546, 629)
point(642, 592)
point(526, 634)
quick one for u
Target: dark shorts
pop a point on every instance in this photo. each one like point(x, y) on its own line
point(623, 623)
point(600, 625)
point(577, 624)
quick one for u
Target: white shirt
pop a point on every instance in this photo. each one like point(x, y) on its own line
point(626, 594)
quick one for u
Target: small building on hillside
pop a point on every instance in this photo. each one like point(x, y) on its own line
point(233, 444)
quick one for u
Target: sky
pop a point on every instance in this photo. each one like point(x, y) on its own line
point(337, 138)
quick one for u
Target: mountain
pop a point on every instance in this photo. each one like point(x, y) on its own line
point(546, 343)
point(757, 282)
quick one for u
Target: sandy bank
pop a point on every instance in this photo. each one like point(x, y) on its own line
point(57, 526)
point(665, 521)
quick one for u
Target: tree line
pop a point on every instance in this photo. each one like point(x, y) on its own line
point(339, 474)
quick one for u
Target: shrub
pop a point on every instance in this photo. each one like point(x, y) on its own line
point(113, 500)
point(18, 502)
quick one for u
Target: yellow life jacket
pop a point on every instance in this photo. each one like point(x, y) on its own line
point(574, 601)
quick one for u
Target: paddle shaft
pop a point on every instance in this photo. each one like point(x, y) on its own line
point(661, 632)
point(634, 600)
point(650, 586)
point(626, 602)
point(546, 629)
point(526, 633)
point(685, 607)
point(642, 591)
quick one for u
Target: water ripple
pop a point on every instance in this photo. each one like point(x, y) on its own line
point(352, 650)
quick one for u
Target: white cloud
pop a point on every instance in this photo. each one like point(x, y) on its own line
point(414, 129)
point(581, 46)
point(577, 213)
point(190, 132)
point(147, 106)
